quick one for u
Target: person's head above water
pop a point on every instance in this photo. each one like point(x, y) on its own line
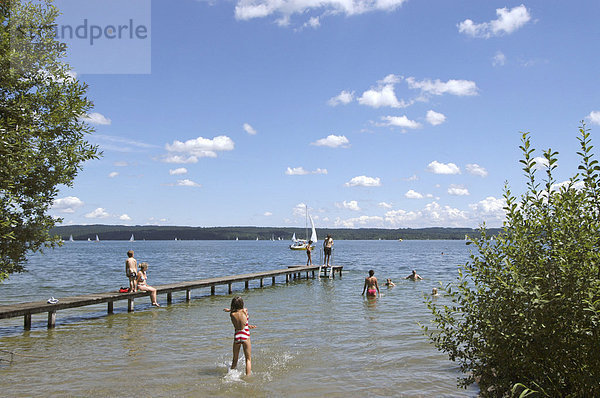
point(237, 303)
point(371, 272)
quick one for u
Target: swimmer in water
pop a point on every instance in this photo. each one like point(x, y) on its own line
point(389, 283)
point(371, 285)
point(414, 276)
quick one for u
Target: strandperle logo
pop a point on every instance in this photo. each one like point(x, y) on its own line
point(93, 33)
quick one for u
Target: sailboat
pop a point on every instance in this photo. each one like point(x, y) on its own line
point(71, 238)
point(131, 239)
point(97, 239)
point(301, 244)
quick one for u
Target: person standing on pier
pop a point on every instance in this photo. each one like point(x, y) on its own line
point(371, 285)
point(131, 270)
point(308, 251)
point(327, 246)
point(241, 338)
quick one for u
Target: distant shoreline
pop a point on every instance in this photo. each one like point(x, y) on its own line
point(156, 232)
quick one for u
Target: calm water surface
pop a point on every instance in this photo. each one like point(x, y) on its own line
point(313, 337)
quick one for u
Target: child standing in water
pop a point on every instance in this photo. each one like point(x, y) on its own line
point(308, 251)
point(241, 337)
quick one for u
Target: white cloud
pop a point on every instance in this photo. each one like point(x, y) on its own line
point(67, 204)
point(433, 214)
point(381, 97)
point(348, 205)
point(413, 195)
point(578, 185)
point(313, 22)
point(333, 141)
point(98, 213)
point(121, 164)
point(299, 210)
point(178, 171)
point(594, 117)
point(124, 217)
point(298, 171)
point(363, 221)
point(434, 118)
point(284, 9)
point(507, 22)
point(385, 205)
point(187, 183)
point(490, 210)
point(475, 169)
point(499, 59)
point(200, 147)
point(540, 163)
point(180, 159)
point(344, 98)
point(391, 79)
point(364, 181)
point(113, 174)
point(399, 121)
point(249, 129)
point(267, 214)
point(438, 87)
point(458, 190)
point(443, 168)
point(413, 177)
point(95, 118)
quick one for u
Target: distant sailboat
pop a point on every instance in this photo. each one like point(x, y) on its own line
point(97, 239)
point(89, 240)
point(71, 238)
point(236, 238)
point(301, 244)
point(257, 238)
point(132, 238)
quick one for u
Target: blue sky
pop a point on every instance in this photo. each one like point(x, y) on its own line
point(380, 113)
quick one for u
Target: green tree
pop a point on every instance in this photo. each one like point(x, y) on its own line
point(524, 315)
point(42, 142)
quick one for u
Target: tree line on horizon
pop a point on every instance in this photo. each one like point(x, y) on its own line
point(123, 232)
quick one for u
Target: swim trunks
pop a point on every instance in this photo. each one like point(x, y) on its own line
point(131, 274)
point(327, 251)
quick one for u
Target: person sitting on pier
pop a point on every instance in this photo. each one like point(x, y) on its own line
point(131, 270)
point(308, 250)
point(142, 280)
point(241, 338)
point(414, 276)
point(371, 285)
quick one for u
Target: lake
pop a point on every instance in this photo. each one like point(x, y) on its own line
point(313, 337)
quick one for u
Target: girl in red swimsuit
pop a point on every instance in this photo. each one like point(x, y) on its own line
point(241, 338)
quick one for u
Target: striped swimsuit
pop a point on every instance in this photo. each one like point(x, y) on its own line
point(242, 335)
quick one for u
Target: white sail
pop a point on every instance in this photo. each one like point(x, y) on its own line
point(97, 239)
point(131, 239)
point(313, 236)
point(71, 238)
point(294, 237)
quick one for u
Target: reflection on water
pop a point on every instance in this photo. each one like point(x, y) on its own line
point(320, 330)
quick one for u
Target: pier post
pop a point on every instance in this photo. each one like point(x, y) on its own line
point(272, 280)
point(110, 307)
point(246, 285)
point(230, 291)
point(313, 274)
point(287, 278)
point(27, 322)
point(130, 305)
point(51, 319)
point(169, 297)
point(188, 295)
point(306, 274)
point(261, 282)
point(212, 290)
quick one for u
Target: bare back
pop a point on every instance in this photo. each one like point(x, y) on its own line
point(371, 282)
point(239, 318)
point(131, 264)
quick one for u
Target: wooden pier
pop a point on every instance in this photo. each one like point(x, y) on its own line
point(27, 309)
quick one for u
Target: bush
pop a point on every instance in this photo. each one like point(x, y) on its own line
point(523, 316)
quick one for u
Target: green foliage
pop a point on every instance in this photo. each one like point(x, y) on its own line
point(41, 135)
point(523, 318)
